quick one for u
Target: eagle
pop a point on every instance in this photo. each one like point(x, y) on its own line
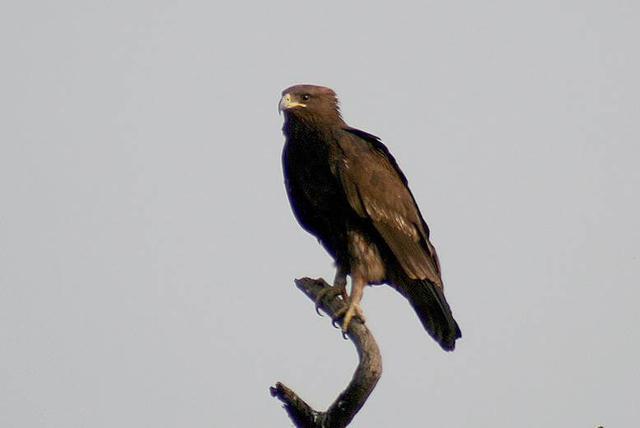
point(347, 190)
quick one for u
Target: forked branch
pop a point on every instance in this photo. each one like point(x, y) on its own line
point(364, 380)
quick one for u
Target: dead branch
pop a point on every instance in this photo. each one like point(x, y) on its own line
point(364, 380)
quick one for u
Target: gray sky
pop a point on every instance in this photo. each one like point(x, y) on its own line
point(147, 249)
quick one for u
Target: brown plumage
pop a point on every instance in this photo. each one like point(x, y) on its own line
point(346, 189)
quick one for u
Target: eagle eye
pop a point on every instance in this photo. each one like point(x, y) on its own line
point(306, 97)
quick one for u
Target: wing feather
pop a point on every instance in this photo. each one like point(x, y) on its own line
point(376, 189)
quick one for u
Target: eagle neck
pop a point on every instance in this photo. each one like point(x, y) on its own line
point(305, 128)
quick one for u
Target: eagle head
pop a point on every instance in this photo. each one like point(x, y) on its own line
point(309, 102)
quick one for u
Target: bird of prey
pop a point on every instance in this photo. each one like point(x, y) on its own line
point(346, 189)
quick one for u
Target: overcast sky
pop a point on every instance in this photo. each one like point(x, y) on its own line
point(148, 251)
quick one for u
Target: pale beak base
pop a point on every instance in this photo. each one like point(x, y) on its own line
point(287, 102)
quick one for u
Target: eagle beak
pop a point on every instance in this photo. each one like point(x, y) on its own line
point(286, 103)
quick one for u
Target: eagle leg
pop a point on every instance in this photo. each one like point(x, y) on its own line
point(357, 288)
point(339, 288)
point(340, 281)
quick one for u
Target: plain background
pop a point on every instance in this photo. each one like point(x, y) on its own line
point(147, 249)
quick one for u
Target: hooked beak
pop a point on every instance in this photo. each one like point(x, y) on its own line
point(286, 103)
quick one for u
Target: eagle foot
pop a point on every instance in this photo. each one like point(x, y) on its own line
point(347, 314)
point(331, 292)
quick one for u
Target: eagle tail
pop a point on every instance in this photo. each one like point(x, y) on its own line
point(433, 310)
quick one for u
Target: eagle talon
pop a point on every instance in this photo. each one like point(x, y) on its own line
point(347, 313)
point(353, 310)
point(339, 316)
point(330, 291)
point(335, 322)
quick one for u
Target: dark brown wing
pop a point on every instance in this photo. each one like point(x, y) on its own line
point(376, 189)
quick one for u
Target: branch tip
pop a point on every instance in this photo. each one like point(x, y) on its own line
point(364, 380)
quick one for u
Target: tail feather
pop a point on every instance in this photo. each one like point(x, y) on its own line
point(433, 310)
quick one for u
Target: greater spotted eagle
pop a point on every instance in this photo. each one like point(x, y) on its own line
point(346, 189)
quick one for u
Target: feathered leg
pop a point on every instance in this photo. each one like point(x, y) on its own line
point(357, 289)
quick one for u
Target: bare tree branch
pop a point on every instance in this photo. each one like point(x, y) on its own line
point(364, 380)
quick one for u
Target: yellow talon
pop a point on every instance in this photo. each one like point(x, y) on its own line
point(353, 310)
point(329, 291)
